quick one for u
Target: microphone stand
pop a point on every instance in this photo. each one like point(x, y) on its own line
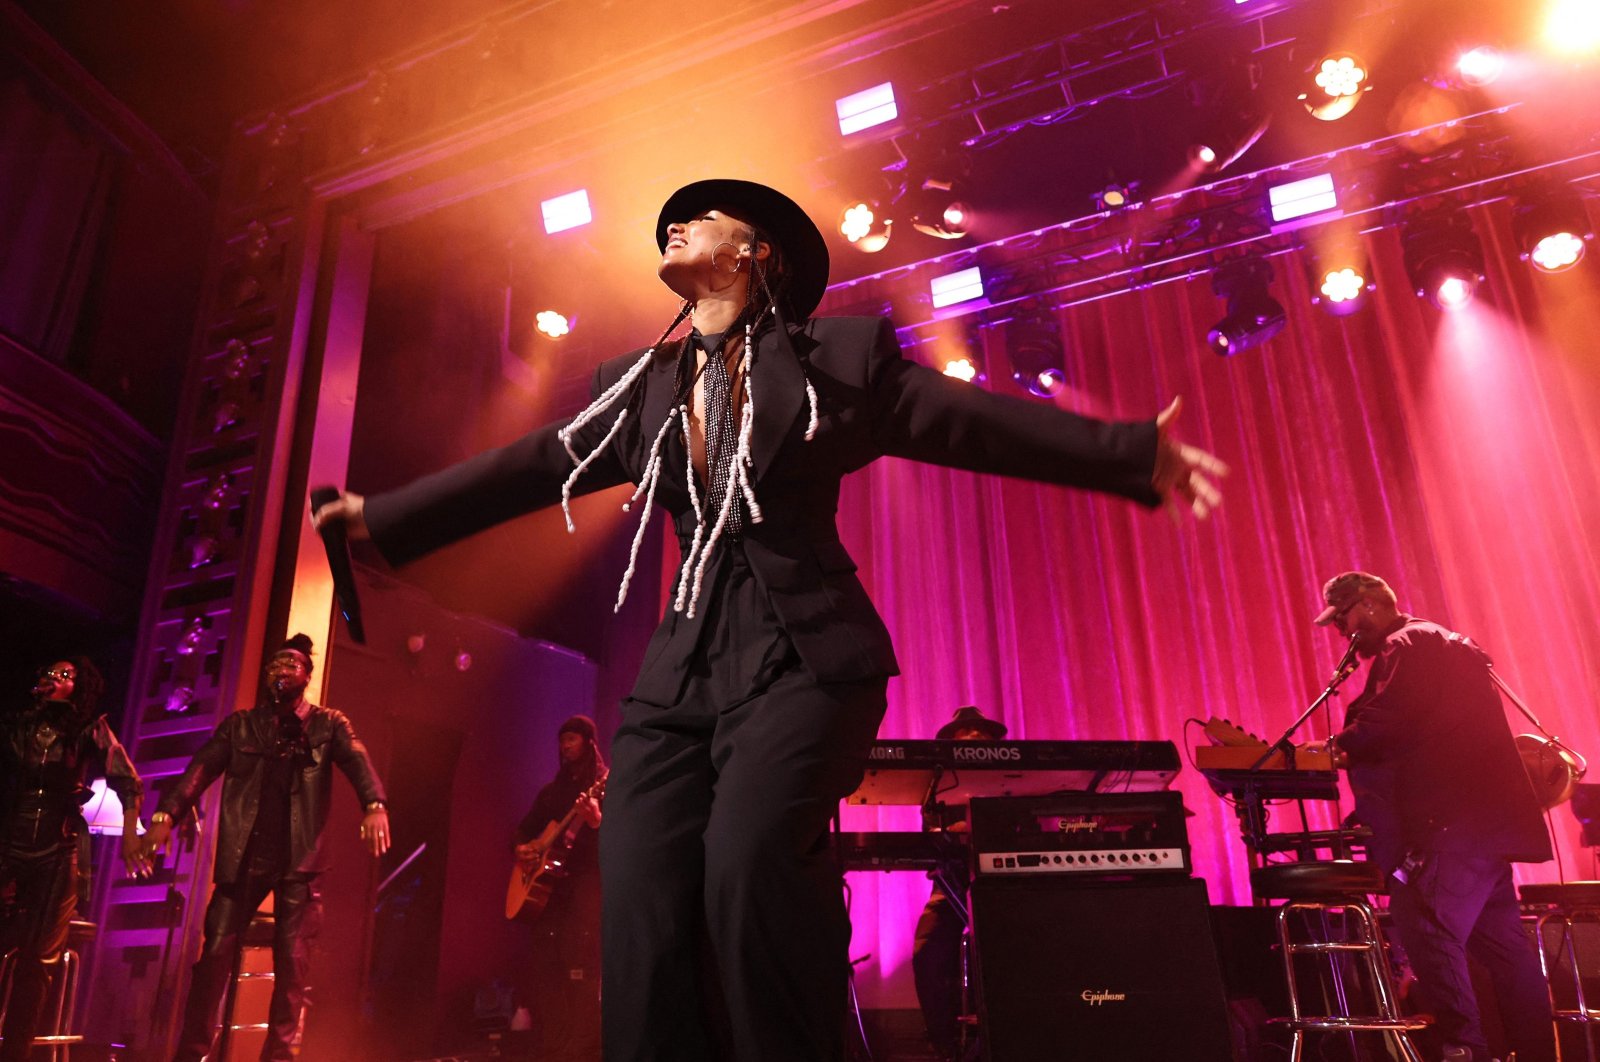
point(1254, 809)
point(1345, 669)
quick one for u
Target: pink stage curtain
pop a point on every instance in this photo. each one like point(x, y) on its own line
point(1456, 455)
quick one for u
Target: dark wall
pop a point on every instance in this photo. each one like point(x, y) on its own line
point(102, 244)
point(463, 743)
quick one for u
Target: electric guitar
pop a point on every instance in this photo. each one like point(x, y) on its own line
point(533, 881)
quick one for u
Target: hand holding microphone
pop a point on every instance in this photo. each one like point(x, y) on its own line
point(338, 517)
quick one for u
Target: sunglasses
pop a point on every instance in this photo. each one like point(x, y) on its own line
point(59, 674)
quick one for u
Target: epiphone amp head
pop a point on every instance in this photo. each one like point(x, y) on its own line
point(1081, 833)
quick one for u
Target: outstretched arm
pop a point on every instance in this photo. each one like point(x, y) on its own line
point(923, 415)
point(1185, 475)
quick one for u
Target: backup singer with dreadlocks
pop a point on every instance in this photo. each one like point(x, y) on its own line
point(764, 685)
point(49, 751)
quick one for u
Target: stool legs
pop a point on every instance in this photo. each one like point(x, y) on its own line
point(1580, 1013)
point(1355, 938)
point(56, 1024)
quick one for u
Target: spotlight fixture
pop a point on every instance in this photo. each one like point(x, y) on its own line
point(552, 323)
point(1336, 85)
point(1229, 115)
point(1225, 139)
point(1303, 202)
point(1033, 342)
point(938, 209)
point(566, 211)
point(1442, 257)
point(1481, 65)
point(962, 369)
point(1341, 281)
point(867, 108)
point(865, 225)
point(1572, 26)
point(961, 286)
point(1551, 227)
point(1114, 196)
point(1253, 316)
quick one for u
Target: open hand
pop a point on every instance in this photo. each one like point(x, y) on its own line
point(1184, 474)
point(375, 831)
point(136, 858)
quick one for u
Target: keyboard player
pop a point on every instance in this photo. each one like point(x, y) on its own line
point(936, 954)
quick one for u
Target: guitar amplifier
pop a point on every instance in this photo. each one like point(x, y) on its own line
point(1084, 970)
point(1093, 834)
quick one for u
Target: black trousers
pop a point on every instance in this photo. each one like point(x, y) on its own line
point(563, 986)
point(724, 928)
point(297, 912)
point(936, 969)
point(1456, 905)
point(46, 898)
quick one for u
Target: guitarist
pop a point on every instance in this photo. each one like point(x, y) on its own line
point(564, 974)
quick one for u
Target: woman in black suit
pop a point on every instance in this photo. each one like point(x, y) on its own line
point(764, 685)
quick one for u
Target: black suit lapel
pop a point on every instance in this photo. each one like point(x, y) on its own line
point(778, 385)
point(660, 386)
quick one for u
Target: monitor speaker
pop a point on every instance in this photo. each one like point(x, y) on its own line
point(1075, 972)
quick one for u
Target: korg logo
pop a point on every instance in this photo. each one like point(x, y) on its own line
point(1094, 999)
point(880, 752)
point(975, 753)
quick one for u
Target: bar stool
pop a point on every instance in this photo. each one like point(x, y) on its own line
point(1327, 898)
point(257, 934)
point(1569, 904)
point(58, 1020)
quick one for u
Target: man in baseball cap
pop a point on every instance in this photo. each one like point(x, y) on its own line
point(1438, 780)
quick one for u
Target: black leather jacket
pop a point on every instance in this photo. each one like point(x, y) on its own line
point(239, 750)
point(47, 757)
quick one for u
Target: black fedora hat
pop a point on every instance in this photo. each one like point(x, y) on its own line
point(970, 717)
point(805, 252)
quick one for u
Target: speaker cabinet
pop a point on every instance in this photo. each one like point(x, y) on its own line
point(1075, 972)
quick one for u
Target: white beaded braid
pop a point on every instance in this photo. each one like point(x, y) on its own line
point(647, 487)
point(691, 576)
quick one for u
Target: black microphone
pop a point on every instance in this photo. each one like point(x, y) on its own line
point(338, 549)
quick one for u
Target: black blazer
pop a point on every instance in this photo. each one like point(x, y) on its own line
point(873, 403)
point(1432, 762)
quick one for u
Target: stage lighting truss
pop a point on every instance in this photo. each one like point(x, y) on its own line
point(1038, 362)
point(1253, 316)
point(1335, 85)
point(866, 225)
point(1551, 227)
point(1442, 257)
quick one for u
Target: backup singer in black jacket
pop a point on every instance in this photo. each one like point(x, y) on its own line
point(765, 683)
point(1437, 778)
point(276, 761)
point(49, 752)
